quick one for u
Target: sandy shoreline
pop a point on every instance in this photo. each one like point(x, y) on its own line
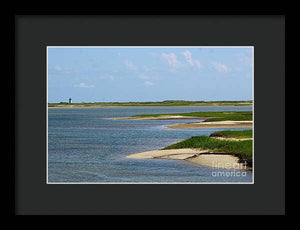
point(213, 124)
point(192, 125)
point(175, 117)
point(201, 157)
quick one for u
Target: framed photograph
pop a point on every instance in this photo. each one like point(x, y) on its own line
point(121, 114)
point(150, 114)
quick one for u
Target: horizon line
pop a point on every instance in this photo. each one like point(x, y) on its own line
point(157, 101)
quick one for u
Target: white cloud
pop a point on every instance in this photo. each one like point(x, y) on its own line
point(83, 85)
point(147, 73)
point(143, 76)
point(245, 58)
point(130, 65)
point(188, 56)
point(148, 83)
point(107, 76)
point(63, 70)
point(147, 68)
point(171, 59)
point(153, 54)
point(193, 62)
point(220, 67)
point(148, 76)
point(198, 64)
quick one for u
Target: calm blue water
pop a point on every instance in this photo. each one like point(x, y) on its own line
point(83, 146)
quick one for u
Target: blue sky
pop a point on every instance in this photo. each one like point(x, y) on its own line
point(149, 74)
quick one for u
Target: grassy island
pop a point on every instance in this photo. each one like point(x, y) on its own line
point(241, 149)
point(210, 116)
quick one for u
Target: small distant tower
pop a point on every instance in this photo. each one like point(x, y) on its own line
point(70, 100)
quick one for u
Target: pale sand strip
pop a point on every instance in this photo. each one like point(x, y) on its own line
point(213, 124)
point(193, 125)
point(170, 153)
point(232, 139)
point(158, 118)
point(201, 157)
point(217, 161)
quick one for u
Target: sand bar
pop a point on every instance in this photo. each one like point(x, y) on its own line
point(170, 153)
point(232, 139)
point(212, 124)
point(201, 157)
point(192, 125)
point(158, 118)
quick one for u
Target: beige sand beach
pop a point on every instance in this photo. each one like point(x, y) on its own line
point(201, 157)
point(192, 125)
point(213, 124)
point(158, 118)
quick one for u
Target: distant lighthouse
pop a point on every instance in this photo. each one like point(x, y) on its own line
point(70, 100)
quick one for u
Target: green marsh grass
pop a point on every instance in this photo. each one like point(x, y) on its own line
point(240, 149)
point(233, 134)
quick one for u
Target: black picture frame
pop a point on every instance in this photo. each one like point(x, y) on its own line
point(32, 33)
